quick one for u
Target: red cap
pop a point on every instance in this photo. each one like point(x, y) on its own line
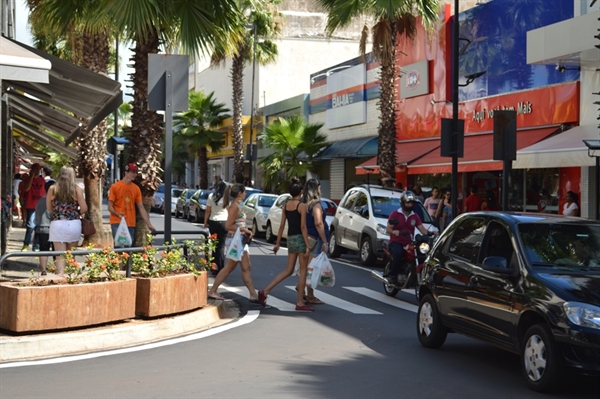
point(131, 167)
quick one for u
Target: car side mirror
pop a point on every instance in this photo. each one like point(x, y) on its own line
point(497, 264)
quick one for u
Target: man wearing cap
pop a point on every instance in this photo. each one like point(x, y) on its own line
point(124, 196)
point(32, 189)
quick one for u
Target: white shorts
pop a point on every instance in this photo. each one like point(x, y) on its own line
point(65, 231)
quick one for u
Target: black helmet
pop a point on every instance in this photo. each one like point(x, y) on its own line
point(407, 196)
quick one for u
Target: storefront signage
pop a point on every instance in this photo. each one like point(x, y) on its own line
point(347, 105)
point(522, 108)
point(415, 81)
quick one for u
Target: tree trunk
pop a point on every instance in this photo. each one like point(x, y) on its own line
point(203, 166)
point(237, 77)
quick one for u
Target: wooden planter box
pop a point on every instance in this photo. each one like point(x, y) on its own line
point(171, 294)
point(64, 306)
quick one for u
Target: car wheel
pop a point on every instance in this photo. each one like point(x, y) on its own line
point(176, 213)
point(389, 289)
point(431, 332)
point(334, 250)
point(539, 360)
point(197, 218)
point(255, 231)
point(269, 234)
point(367, 257)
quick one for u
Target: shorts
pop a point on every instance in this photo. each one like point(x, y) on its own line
point(65, 231)
point(43, 240)
point(317, 249)
point(296, 244)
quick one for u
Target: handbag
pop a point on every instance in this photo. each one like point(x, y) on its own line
point(312, 243)
point(87, 227)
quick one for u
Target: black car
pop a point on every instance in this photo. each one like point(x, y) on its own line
point(528, 283)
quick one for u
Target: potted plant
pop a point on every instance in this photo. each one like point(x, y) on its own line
point(92, 293)
point(169, 281)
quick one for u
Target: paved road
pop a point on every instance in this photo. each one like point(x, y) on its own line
point(360, 344)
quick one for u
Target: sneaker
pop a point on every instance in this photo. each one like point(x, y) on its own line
point(304, 308)
point(25, 248)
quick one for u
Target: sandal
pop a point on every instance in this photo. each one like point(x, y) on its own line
point(304, 308)
point(313, 300)
point(216, 297)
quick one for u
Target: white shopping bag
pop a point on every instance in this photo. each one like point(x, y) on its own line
point(314, 270)
point(327, 275)
point(123, 238)
point(236, 249)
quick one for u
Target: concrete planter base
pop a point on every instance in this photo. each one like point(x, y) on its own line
point(172, 294)
point(64, 306)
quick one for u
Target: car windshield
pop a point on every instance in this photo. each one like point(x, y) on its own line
point(176, 193)
point(204, 194)
point(189, 194)
point(564, 247)
point(384, 206)
point(265, 201)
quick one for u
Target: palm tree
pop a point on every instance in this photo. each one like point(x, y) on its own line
point(195, 129)
point(392, 19)
point(295, 142)
point(262, 15)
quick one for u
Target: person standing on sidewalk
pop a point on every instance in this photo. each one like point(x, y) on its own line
point(32, 190)
point(66, 204)
point(473, 201)
point(42, 226)
point(294, 212)
point(123, 199)
point(16, 198)
point(215, 218)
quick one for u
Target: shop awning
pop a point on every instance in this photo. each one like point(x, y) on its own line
point(43, 138)
point(406, 152)
point(562, 150)
point(478, 153)
point(18, 63)
point(353, 148)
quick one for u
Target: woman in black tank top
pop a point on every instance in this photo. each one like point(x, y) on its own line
point(297, 242)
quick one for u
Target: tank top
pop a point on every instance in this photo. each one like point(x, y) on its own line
point(240, 220)
point(310, 224)
point(65, 210)
point(293, 219)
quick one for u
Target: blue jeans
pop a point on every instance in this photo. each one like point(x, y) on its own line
point(114, 227)
point(397, 252)
point(30, 224)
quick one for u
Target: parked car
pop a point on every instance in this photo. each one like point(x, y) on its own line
point(361, 219)
point(527, 283)
point(197, 205)
point(183, 203)
point(274, 217)
point(159, 198)
point(256, 207)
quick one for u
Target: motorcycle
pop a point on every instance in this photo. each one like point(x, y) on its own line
point(415, 253)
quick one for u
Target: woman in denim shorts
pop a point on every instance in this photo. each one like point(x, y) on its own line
point(294, 211)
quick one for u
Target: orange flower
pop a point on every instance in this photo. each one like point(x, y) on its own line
point(125, 255)
point(144, 256)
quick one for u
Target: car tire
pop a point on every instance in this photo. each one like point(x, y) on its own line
point(389, 289)
point(255, 231)
point(334, 250)
point(367, 257)
point(269, 234)
point(431, 332)
point(176, 213)
point(197, 218)
point(540, 363)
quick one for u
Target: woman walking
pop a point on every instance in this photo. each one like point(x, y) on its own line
point(66, 204)
point(235, 219)
point(316, 225)
point(215, 217)
point(294, 212)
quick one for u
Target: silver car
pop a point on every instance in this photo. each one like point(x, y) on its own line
point(256, 207)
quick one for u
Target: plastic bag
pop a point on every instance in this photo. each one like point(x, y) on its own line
point(327, 275)
point(236, 249)
point(314, 270)
point(296, 268)
point(123, 238)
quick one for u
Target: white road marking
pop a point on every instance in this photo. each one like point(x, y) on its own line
point(271, 300)
point(340, 303)
point(248, 318)
point(378, 296)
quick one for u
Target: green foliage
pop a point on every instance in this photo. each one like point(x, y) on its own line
point(102, 266)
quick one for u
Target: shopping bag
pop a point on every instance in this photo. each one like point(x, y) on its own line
point(123, 238)
point(296, 268)
point(327, 275)
point(314, 270)
point(236, 249)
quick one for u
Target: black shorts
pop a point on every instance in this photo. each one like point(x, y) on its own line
point(43, 241)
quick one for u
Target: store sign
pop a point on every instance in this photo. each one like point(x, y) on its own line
point(523, 108)
point(415, 81)
point(347, 104)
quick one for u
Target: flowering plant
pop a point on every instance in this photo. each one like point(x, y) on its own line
point(201, 252)
point(101, 266)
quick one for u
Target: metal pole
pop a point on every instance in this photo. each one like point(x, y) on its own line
point(251, 152)
point(116, 126)
point(168, 151)
point(454, 192)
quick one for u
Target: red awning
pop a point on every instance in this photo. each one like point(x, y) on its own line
point(406, 152)
point(478, 153)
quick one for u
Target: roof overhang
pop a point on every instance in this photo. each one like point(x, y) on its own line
point(20, 64)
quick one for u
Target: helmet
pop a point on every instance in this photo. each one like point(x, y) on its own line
point(407, 196)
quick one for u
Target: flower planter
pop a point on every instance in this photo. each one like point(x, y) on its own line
point(54, 307)
point(171, 294)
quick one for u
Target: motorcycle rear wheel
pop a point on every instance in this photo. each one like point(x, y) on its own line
point(389, 289)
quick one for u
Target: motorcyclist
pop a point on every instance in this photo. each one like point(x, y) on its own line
point(400, 235)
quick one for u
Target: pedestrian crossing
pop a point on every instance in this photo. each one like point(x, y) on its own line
point(332, 300)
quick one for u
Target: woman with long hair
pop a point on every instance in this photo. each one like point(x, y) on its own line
point(236, 218)
point(294, 212)
point(66, 204)
point(316, 225)
point(215, 217)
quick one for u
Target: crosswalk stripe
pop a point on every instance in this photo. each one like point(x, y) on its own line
point(271, 300)
point(340, 303)
point(378, 296)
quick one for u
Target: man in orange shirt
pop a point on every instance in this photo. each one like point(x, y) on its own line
point(473, 201)
point(124, 197)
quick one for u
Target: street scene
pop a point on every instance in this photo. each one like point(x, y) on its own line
point(300, 199)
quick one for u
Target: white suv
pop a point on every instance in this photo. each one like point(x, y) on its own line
point(361, 219)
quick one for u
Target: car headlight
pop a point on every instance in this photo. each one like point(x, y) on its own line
point(263, 216)
point(202, 206)
point(583, 314)
point(381, 229)
point(424, 248)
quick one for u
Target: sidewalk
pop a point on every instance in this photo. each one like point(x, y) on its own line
point(116, 336)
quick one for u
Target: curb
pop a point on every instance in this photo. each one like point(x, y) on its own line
point(129, 333)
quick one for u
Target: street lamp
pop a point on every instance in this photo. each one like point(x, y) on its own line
point(455, 53)
point(251, 149)
point(594, 146)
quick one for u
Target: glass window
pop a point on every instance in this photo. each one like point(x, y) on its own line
point(498, 243)
point(161, 189)
point(536, 190)
point(350, 199)
point(361, 204)
point(282, 201)
point(266, 201)
point(176, 193)
point(384, 206)
point(467, 238)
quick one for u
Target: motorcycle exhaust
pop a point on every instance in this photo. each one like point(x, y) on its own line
point(379, 276)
